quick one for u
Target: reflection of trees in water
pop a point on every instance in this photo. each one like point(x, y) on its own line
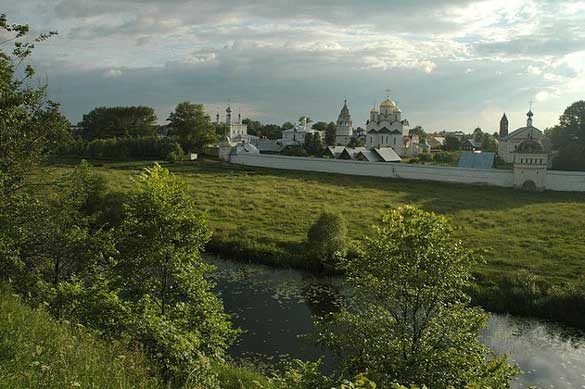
point(322, 297)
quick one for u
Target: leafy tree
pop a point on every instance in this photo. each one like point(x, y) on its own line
point(329, 129)
point(192, 126)
point(31, 127)
point(272, 131)
point(254, 127)
point(303, 118)
point(418, 130)
point(488, 142)
point(452, 143)
point(287, 125)
point(176, 315)
point(568, 138)
point(313, 144)
point(410, 321)
point(326, 241)
point(113, 122)
point(355, 142)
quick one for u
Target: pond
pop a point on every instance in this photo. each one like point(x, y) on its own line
point(275, 306)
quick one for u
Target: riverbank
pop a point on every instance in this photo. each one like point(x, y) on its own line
point(533, 244)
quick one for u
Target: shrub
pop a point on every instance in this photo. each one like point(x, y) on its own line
point(148, 147)
point(326, 241)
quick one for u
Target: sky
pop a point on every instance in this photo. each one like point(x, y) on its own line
point(449, 64)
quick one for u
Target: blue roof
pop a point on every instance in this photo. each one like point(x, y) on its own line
point(481, 160)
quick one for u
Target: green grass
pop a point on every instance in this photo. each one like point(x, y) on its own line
point(269, 211)
point(39, 352)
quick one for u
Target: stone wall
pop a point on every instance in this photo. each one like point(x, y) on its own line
point(565, 181)
point(554, 180)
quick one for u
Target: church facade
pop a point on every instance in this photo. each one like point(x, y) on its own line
point(236, 131)
point(387, 128)
point(509, 142)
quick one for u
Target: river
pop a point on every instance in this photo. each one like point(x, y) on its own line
point(274, 307)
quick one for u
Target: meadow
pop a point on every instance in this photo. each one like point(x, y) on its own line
point(268, 212)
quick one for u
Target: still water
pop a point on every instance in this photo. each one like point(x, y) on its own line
point(275, 307)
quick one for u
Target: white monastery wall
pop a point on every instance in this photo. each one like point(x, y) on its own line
point(554, 180)
point(379, 169)
point(565, 181)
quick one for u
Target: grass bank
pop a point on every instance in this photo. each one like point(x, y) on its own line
point(262, 215)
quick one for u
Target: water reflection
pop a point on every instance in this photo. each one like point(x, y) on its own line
point(275, 308)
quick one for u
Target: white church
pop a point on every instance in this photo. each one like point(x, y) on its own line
point(509, 142)
point(237, 132)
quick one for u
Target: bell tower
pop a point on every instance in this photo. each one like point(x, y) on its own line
point(503, 126)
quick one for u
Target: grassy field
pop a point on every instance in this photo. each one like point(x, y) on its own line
point(271, 210)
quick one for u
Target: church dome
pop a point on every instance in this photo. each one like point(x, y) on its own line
point(530, 146)
point(388, 104)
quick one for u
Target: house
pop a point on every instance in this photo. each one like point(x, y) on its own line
point(470, 144)
point(333, 151)
point(436, 142)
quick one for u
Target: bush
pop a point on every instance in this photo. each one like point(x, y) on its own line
point(326, 241)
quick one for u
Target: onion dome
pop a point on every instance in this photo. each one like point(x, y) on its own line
point(388, 104)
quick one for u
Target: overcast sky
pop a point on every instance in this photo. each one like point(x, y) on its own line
point(450, 64)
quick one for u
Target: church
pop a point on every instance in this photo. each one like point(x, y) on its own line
point(344, 127)
point(509, 142)
point(387, 128)
point(236, 131)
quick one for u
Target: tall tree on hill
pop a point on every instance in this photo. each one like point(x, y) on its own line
point(192, 126)
point(568, 138)
point(30, 125)
point(110, 122)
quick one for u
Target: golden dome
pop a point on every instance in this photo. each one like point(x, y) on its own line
point(388, 104)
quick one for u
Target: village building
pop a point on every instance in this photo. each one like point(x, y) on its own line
point(509, 142)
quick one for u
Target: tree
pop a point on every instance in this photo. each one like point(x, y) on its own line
point(303, 118)
point(254, 126)
point(161, 273)
point(568, 138)
point(410, 321)
point(488, 142)
point(452, 143)
point(329, 130)
point(192, 126)
point(313, 144)
point(326, 241)
point(31, 127)
point(112, 122)
point(418, 131)
point(287, 125)
point(355, 142)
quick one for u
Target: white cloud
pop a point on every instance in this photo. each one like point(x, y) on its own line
point(112, 73)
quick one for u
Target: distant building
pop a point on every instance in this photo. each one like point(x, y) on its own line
point(344, 127)
point(470, 144)
point(377, 154)
point(296, 135)
point(508, 143)
point(436, 143)
point(236, 131)
point(530, 164)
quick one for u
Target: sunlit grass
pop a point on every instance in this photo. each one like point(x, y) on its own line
point(540, 232)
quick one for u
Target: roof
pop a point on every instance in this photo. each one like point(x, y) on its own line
point(368, 155)
point(245, 148)
point(477, 160)
point(473, 143)
point(268, 145)
point(352, 152)
point(522, 130)
point(335, 150)
point(530, 146)
point(387, 154)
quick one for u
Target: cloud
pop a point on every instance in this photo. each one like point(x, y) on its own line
point(112, 73)
point(284, 58)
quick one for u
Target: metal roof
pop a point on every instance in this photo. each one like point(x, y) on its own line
point(477, 160)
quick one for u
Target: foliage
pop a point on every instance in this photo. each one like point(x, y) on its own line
point(149, 147)
point(313, 144)
point(295, 151)
point(269, 131)
point(452, 143)
point(287, 125)
point(326, 241)
point(329, 129)
point(418, 130)
point(355, 142)
point(409, 321)
point(192, 126)
point(568, 138)
point(30, 126)
point(118, 122)
point(488, 142)
point(38, 352)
